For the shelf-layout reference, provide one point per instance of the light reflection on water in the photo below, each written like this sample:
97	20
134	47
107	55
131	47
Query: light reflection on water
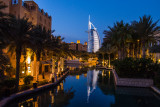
92	88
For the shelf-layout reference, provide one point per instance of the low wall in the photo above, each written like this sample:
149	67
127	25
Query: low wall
25	94
132	82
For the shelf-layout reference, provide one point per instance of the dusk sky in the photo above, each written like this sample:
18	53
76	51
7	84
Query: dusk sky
70	17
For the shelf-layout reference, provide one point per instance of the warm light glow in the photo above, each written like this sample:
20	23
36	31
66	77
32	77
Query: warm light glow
28	60
72	42
77	77
85	75
138	40
52	99
29	69
78	41
85	43
159	60
22	72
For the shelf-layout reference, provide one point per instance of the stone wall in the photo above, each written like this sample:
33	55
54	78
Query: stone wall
132	82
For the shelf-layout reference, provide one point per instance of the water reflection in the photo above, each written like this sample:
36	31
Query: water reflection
92	77
92	88
57	97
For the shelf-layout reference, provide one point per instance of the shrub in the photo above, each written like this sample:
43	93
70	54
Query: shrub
27	80
25	87
42	82
9	83
135	68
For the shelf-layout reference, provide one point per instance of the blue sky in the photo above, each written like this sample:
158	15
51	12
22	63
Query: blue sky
70	17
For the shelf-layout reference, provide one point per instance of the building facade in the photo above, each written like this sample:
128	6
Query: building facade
78	46
31	11
93	38
28	9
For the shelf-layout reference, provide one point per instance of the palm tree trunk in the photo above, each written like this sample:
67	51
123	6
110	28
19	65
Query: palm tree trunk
37	65
53	67
109	61
62	64
143	50
133	51
37	69
58	67
18	56
119	54
103	59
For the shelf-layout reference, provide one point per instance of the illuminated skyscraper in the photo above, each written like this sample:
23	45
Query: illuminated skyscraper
93	38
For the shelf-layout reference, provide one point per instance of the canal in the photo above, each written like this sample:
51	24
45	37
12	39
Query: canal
91	88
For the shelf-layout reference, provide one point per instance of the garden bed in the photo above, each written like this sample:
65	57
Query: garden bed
133	69
132	82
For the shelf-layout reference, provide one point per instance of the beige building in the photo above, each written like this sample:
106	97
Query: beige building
28	9
78	46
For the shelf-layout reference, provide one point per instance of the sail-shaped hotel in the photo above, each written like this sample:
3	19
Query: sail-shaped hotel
93	38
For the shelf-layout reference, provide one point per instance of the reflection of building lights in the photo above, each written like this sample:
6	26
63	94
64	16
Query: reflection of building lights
22	72
77	77
52	99
29	71
85	75
159	60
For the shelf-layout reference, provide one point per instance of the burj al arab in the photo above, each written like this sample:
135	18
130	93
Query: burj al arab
93	38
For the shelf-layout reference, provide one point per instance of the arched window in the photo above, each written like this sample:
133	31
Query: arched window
14	1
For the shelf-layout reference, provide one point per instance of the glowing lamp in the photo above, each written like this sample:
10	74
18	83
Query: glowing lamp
28	60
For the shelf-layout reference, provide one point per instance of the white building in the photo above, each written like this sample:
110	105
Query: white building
93	38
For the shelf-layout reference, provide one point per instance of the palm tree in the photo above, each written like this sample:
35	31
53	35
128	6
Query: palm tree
108	48
145	28
120	34
54	46
4	25
19	38
41	37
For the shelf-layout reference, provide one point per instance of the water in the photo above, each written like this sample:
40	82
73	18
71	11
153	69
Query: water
92	88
